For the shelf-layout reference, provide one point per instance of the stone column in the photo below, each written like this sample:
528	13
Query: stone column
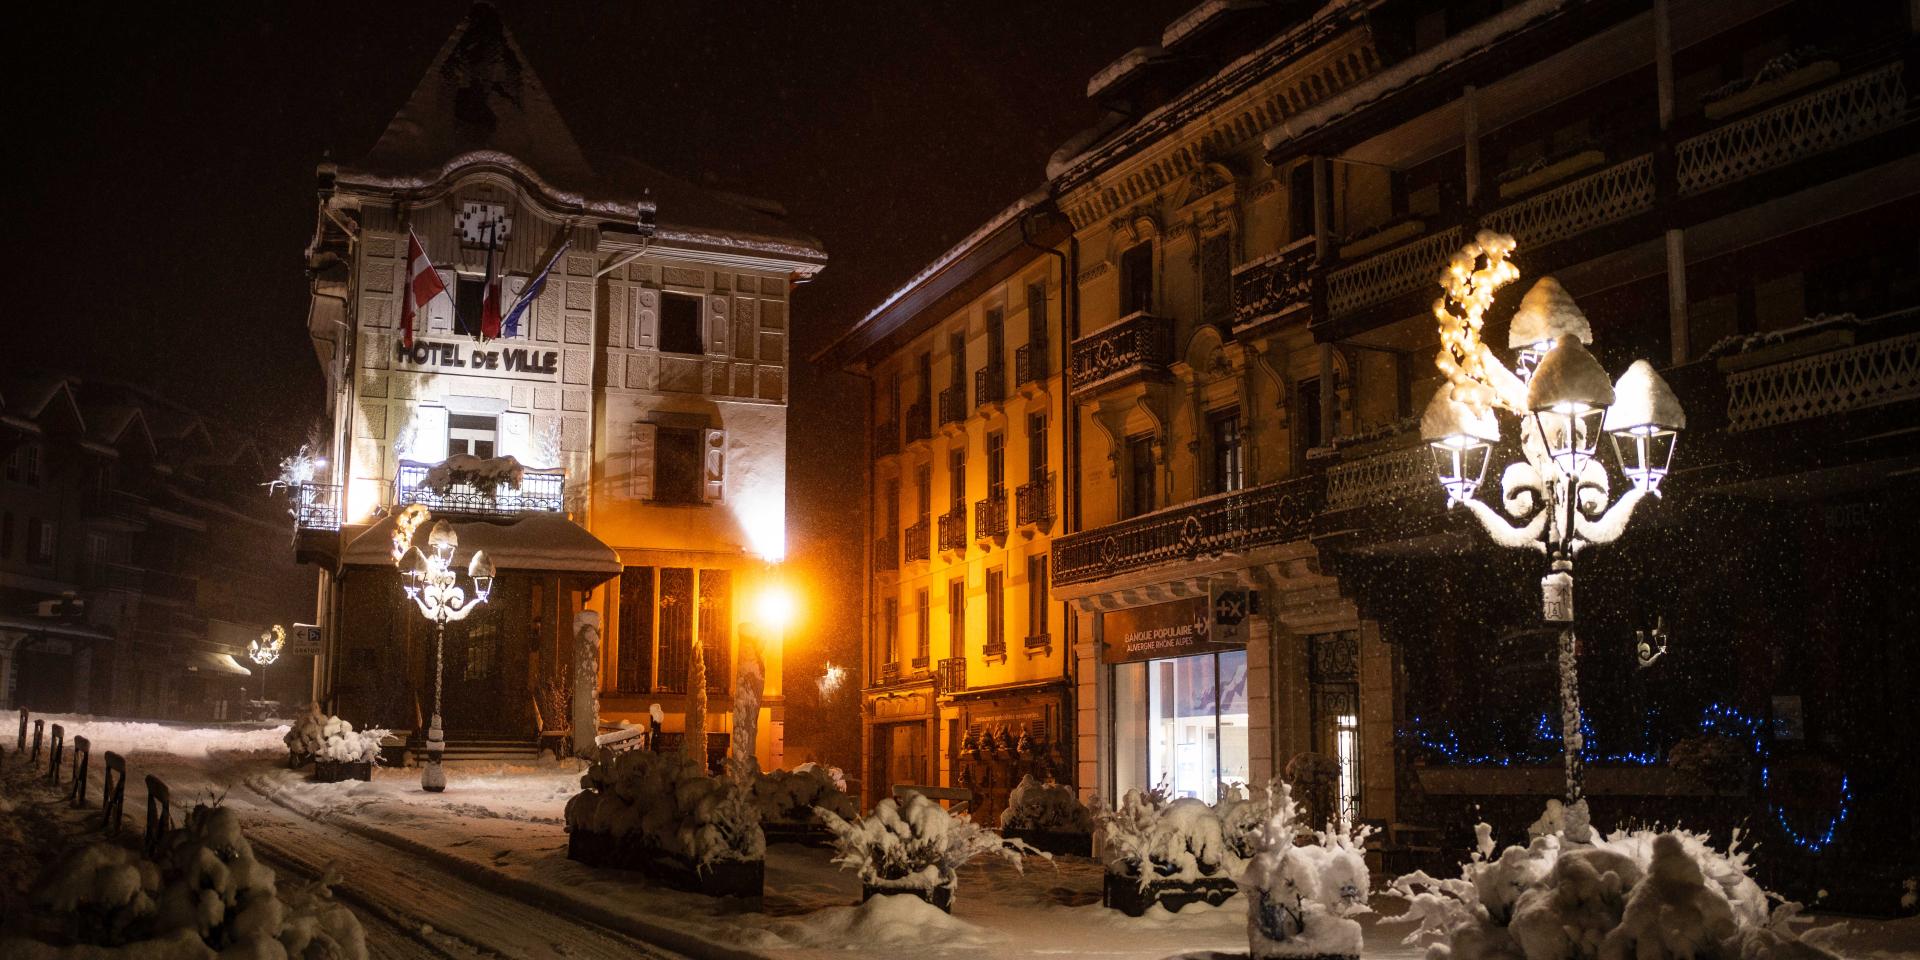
1261	697
1091	713
586	681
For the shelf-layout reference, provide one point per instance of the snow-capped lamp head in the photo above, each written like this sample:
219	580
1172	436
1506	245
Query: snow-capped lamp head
1645	422
1546	314
480	568
1569	395
441	539
414	568
1460	436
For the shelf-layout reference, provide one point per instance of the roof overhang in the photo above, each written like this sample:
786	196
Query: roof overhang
537	542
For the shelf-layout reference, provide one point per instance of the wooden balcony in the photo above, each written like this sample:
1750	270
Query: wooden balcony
1846	110
886	554
1274	285
1138	347
919	422
1030	363
1268	515
1822	384
953	405
1395	469
990	516
953	529
918	540
951	675
1605	196
1033	502
989	384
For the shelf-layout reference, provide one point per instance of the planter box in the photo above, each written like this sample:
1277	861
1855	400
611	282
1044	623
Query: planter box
1818	71
804	834
721	878
330	771
1382	238
941	896
1123	893
1552	173
1054	842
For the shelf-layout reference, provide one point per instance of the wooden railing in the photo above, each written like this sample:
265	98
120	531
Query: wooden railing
990	516
1139	345
1405	269
1277	283
1033	502
1030	363
1267	515
1840	113
1574	207
1838	381
953	528
918	540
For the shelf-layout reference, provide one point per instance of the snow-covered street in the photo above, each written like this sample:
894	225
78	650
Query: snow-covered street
482	870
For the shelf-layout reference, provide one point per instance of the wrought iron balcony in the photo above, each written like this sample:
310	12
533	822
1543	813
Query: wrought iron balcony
1033	502
919	422
1139	346
1268	515
953	528
1030	363
890	672
886	439
315	506
953	405
886	554
952	675
1398	468
117	508
1840	113
918	540
540	491
990	516
1278	283
989	384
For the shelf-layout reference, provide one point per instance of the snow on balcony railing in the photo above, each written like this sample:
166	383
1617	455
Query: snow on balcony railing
315	506
1839	381
539	491
1395	273
1141	344
1267	515
1276	283
1380	478
1841	113
1573	208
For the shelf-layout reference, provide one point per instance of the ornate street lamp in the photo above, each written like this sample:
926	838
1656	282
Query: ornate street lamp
265	650
1561	401
432	584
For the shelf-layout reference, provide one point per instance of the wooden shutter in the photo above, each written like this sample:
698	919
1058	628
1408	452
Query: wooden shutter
713	446
429	435
640	484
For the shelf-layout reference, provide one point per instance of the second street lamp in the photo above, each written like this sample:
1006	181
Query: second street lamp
432	584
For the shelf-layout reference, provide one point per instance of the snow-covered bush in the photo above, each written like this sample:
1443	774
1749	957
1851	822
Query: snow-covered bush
1149	837
1245	815
206	895
483	474
666	802
791	796
1633	895
333	740
915	847
1045	807
1300	895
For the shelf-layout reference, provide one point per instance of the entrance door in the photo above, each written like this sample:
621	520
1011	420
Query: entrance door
486	693
900	756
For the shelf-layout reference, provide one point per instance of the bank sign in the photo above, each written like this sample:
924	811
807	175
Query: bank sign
1177	628
476	359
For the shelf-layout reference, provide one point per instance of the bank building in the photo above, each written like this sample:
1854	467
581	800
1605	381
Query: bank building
642	392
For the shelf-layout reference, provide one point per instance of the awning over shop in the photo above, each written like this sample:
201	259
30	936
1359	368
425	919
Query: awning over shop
54	628
536	541
201	661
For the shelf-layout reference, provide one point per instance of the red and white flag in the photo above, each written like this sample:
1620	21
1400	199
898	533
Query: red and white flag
423	285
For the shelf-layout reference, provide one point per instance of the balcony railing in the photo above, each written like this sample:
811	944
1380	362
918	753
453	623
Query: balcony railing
918	540
953	528
953	405
1138	346
1268	515
1278	283
315	506
1384	477
919	422
990	516
1579	205
1033	502
540	491
150	583
989	384
890	672
1030	363
115	506
886	440
886	554
1848	110
952	675
1839	381
1404	269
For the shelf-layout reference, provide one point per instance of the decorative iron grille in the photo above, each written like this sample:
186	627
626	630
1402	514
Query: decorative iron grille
1395	273
1573	208
540	491
886	554
989	384
1139	345
990	516
952	675
953	405
1033	502
886	440
919	422
1030	363
1266	515
315	506
918	540
1274	284
1381	478
953	528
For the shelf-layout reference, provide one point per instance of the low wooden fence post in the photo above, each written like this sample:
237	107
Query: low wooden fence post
38	725
82	754
21	745
56	751
113	794
159	816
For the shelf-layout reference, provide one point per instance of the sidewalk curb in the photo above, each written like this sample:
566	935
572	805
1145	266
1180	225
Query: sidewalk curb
686	944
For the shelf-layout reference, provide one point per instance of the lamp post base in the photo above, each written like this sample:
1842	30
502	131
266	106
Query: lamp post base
432	778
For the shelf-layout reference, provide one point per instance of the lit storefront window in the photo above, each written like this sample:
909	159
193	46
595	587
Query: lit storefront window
1181	723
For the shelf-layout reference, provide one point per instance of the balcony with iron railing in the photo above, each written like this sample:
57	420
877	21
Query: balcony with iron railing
951	674
1033	502
953	405
989	385
1263	516
890	672
886	439
1394	467
539	491
953	529
1030	363
1138	347
919	421
886	554
1276	284
315	506
917	540
990	516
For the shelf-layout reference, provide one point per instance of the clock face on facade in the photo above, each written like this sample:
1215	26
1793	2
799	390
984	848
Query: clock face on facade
481	224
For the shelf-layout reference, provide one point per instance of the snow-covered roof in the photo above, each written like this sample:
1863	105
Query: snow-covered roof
1127	64
533	541
1200	16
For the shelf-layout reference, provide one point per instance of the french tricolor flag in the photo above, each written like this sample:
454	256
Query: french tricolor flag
423	284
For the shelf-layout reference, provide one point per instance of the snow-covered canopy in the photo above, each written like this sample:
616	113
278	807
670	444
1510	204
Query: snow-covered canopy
1569	374
1642	398
1546	314
1446	417
534	541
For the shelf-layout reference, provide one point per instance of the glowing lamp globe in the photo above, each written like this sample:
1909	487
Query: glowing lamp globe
1546	314
414	568
442	540
1460	438
480	568
1645	422
1569	395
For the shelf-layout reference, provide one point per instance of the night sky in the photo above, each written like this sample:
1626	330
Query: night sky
162	161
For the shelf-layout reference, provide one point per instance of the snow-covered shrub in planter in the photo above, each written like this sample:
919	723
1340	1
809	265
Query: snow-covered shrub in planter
1244	817
1634	895
205	896
915	848
1300	895
662	814
337	751
787	801
1168	852
1049	816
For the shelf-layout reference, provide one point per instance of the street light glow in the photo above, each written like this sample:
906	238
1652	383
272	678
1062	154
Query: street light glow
774	607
